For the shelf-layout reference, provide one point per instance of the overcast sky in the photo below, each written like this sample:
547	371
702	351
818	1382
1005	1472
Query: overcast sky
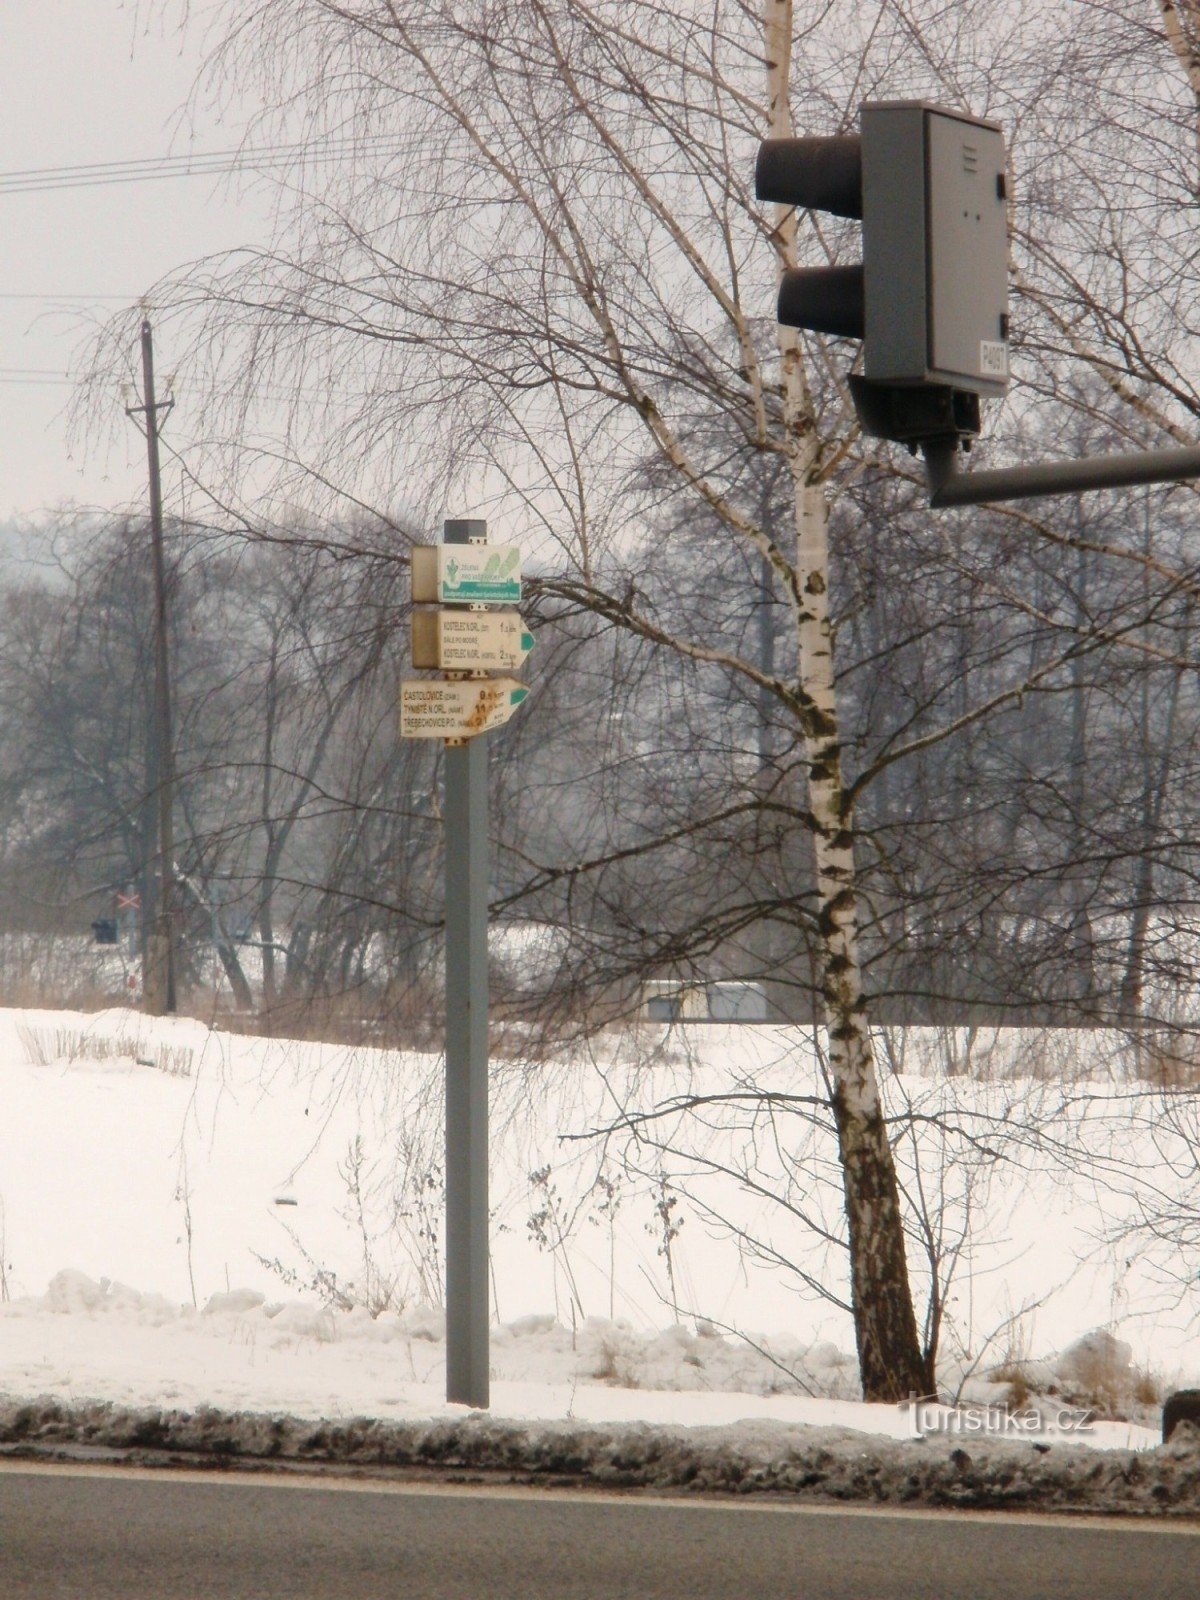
87	81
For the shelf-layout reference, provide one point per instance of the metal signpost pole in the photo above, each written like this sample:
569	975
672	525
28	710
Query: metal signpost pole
466	831
467	642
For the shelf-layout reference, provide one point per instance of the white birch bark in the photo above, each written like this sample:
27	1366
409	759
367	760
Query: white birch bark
1181	23
890	1359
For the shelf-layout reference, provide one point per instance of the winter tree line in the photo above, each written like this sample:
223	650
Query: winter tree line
649	810
787	723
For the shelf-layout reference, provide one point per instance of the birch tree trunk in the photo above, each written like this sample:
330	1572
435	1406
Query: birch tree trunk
889	1349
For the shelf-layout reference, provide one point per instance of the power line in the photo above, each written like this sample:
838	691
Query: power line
197	164
245	153
41	375
124	299
55	375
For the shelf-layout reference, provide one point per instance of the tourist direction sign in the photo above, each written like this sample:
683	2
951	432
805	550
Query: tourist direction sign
469	641
466	574
431	708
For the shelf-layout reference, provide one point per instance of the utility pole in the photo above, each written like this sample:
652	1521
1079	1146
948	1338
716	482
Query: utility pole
158	970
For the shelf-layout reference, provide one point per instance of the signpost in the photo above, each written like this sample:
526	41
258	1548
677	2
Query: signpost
465	642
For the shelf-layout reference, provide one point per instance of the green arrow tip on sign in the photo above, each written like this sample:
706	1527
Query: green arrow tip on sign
527	642
515	696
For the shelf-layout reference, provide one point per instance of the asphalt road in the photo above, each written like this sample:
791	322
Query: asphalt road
91	1534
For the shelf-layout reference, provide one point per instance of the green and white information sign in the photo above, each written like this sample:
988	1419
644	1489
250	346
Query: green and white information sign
466	574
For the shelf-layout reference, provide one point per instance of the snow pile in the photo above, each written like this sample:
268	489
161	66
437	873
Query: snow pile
105	1341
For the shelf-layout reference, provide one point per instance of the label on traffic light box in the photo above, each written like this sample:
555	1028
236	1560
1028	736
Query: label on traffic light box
993	358
466	574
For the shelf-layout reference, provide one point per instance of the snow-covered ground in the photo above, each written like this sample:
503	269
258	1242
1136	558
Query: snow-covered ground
193	1219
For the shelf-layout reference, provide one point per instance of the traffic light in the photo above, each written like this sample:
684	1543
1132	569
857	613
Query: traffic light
930	299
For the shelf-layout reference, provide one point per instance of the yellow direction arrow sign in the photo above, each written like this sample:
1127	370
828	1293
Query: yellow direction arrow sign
432	709
469	641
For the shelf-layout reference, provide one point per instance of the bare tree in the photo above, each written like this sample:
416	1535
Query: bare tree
578	269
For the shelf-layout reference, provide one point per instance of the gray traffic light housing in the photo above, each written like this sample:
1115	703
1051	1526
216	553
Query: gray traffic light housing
930	300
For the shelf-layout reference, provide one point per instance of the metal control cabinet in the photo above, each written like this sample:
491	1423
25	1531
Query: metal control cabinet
935	248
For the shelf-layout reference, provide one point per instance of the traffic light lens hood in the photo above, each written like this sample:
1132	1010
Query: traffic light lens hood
824	300
815	174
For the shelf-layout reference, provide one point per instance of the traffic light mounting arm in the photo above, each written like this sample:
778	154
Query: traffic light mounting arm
950	487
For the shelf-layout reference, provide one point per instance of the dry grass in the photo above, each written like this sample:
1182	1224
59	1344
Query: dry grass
1020	1389
1147	1390
1167	1060
44	1046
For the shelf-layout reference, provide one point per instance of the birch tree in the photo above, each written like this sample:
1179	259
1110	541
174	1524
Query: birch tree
885	1325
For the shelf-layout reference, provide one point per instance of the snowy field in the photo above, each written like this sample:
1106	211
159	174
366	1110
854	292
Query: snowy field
190	1218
